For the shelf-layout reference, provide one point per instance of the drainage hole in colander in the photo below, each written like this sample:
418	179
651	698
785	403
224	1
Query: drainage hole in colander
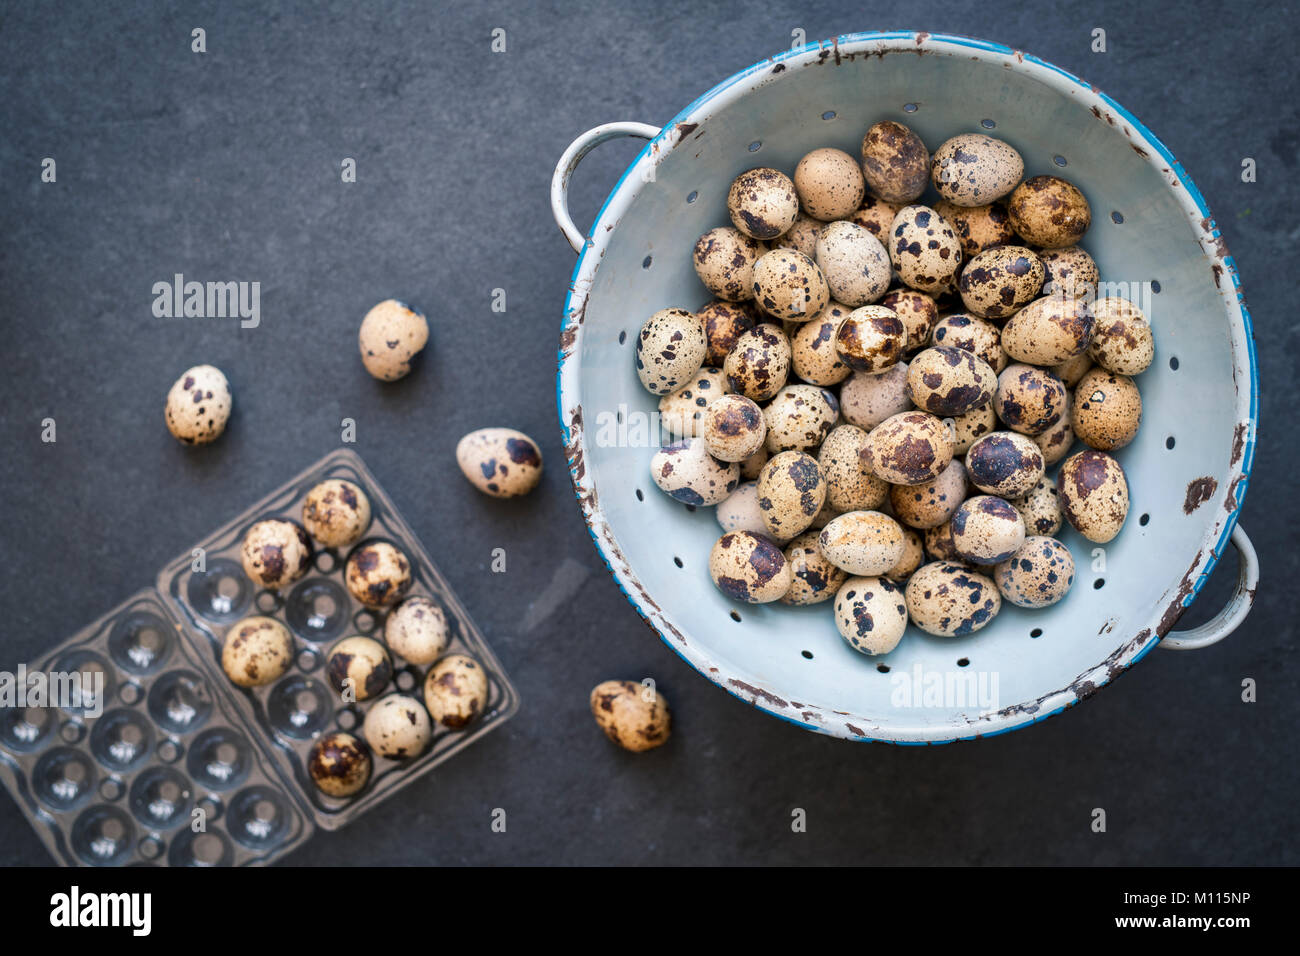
677	561
622	337
735	616
987	123
883	668
1098	584
1173	362
963	661
1143	520
910	107
639	495
1059	160
1036	632
755	146
828	115
646	262
1117	217
1155	286
1169	442
692	196
807	655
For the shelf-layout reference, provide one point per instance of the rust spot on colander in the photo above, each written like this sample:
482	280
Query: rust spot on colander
1175	609
1199	492
758	692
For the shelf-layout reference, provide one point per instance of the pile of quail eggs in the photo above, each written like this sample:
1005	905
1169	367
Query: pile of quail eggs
875	393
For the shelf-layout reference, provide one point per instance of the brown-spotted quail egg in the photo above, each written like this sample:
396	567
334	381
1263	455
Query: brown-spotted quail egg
358	668
724	260
947	599
740	510
398	727
1006	464
1048	331
734	428
895	162
392	335
763	203
724	322
855	264
876	216
939	544
924	249
670	348
1038	575
1047	211
1029	400
977	336
802	237
871	614
1041	508
456	691
682	413
870	339
759	364
977	227
799	417
987	529
813	578
1056	442
686	471
829	183
909	448
256	651
918	313
791	491
973	169
1094	494
1107	410
1121	338
275	553
913	555
1070	272
417	631
850	484
198	405
377	574
930	503
949	381
1073	369
868	398
968	427
336	513
500	462
824	517
1000	281
862	542
789	285
632	715
812	348
339	764
750	568
751	466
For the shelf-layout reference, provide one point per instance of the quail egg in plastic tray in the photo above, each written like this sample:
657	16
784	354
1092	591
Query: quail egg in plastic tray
155	768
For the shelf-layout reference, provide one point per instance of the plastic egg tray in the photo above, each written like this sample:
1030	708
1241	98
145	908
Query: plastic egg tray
175	734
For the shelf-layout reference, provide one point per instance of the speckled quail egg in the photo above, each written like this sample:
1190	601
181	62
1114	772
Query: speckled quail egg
850	484
256	651
1006	464
895	162
681	414
724	260
336	513
1094	494
951	600
1056	442
930	503
829	183
724	322
759	364
734	428
876	216
632	715
812	348
339	764
791	491
751	466
750	568
1000	281
358	668
740	510
1029	400
1048	331
987	529
198	405
868	398
801	237
1107	410
870	339
686	471
855	264
977	336
1038	575
1041	508
789	285
913	555
763	203
398	727
377	574
813	578
1121	337
1073	369
824	517
392	335
949	381
670	348
417	630
973	169
799	417
275	553
1047	211
908	448
918	313
500	462
456	691
1070	272
977	227
924	249
939	544
862	542
871	614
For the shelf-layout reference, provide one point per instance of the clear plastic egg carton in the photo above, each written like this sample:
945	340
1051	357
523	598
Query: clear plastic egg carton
114	779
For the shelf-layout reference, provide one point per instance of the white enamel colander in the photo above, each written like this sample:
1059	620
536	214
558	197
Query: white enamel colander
1187	469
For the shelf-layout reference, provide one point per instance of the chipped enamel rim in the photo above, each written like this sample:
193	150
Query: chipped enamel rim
1175	599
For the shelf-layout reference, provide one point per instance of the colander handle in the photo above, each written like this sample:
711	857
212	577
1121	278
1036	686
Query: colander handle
579	148
1227	620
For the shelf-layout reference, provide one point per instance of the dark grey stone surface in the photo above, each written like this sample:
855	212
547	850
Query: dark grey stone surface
226	165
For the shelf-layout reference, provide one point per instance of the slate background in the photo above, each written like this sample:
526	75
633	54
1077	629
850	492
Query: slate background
226	165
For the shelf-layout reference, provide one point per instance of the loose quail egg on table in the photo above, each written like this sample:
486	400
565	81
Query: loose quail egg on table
392	335
632	715
198	405
455	691
500	462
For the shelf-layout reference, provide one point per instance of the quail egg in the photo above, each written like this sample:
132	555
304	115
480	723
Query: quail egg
791	491
763	203
855	264
670	348
812	348
751	466
1121	340
1047	211
871	614
681	414
456	691
908	448
740	510
724	260
1000	281
275	553
973	169
198	405
1107	410
358	668
868	398
1094	494
987	529
924	249
686	471
1048	331
799	418
1005	464
1056	442
918	313
339	764
895	162
789	285
930	503
336	513
913	556
398	727
417	630
1073	369
500	462
759	364
977	227
813	579
724	323
392	335
256	651
978	336
1029	400
734	428
949	600
1069	271
1038	575
876	216
968	427
632	715
748	567
870	339
850	484
1041	508
939	544
377	574
862	542
829	184
949	381
802	236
